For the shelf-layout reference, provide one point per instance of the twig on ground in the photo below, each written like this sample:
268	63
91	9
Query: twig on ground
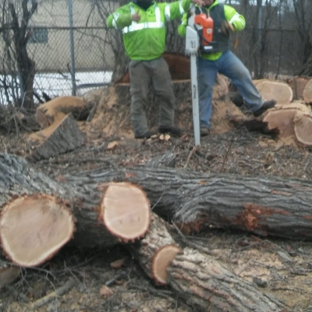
58	292
189	156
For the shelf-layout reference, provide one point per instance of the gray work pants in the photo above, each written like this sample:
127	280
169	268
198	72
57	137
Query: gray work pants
141	74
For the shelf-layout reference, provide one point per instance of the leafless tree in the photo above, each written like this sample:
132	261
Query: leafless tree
18	68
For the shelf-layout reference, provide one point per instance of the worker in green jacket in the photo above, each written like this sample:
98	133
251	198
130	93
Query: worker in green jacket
144	35
220	59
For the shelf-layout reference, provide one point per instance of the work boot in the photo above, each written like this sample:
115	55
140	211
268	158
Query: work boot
204	131
145	135
265	106
174	131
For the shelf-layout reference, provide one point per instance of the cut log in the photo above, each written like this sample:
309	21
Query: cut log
209	286
197	278
307	92
62	136
18	179
33	228
303	128
281	119
264	206
298	84
56	109
125	211
275	90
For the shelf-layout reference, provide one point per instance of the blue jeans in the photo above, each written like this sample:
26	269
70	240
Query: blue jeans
228	65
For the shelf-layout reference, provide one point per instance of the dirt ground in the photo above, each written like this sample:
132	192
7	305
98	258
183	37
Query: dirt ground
279	267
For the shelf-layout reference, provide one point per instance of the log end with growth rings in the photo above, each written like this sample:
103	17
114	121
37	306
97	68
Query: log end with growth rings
33	228
162	260
125	211
303	129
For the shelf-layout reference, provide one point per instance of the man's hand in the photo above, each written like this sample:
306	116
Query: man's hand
136	16
199	2
226	28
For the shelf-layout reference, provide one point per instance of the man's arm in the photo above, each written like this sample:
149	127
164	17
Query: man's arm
120	18
178	8
235	19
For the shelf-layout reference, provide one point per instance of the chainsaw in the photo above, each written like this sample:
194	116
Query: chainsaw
199	35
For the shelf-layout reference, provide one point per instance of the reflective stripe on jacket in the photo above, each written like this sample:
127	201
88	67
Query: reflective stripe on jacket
146	39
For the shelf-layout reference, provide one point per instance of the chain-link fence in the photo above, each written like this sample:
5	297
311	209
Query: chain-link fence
66	64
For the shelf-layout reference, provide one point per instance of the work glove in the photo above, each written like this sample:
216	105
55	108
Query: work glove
226	28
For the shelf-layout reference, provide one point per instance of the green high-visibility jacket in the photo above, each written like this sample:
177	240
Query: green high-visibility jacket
146	39
231	15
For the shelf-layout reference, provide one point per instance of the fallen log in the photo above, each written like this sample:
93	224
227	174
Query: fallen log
288	122
37	213
276	90
265	206
197	278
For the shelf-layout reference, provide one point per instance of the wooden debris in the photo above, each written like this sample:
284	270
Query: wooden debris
57	293
58	108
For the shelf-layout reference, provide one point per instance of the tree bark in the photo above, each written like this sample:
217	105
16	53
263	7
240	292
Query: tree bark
197	278
18	178
265	206
60	137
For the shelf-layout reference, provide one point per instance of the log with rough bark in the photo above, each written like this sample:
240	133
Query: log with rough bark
37	214
197	278
276	90
265	206
60	137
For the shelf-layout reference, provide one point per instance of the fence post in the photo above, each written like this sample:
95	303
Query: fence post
72	48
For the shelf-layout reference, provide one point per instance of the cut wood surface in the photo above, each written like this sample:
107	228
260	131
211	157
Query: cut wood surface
56	109
33	228
303	128
307	92
125	211
275	90
298	84
60	137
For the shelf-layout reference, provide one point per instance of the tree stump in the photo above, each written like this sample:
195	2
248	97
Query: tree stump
62	136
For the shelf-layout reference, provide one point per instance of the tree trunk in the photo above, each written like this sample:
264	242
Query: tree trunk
197	278
265	206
